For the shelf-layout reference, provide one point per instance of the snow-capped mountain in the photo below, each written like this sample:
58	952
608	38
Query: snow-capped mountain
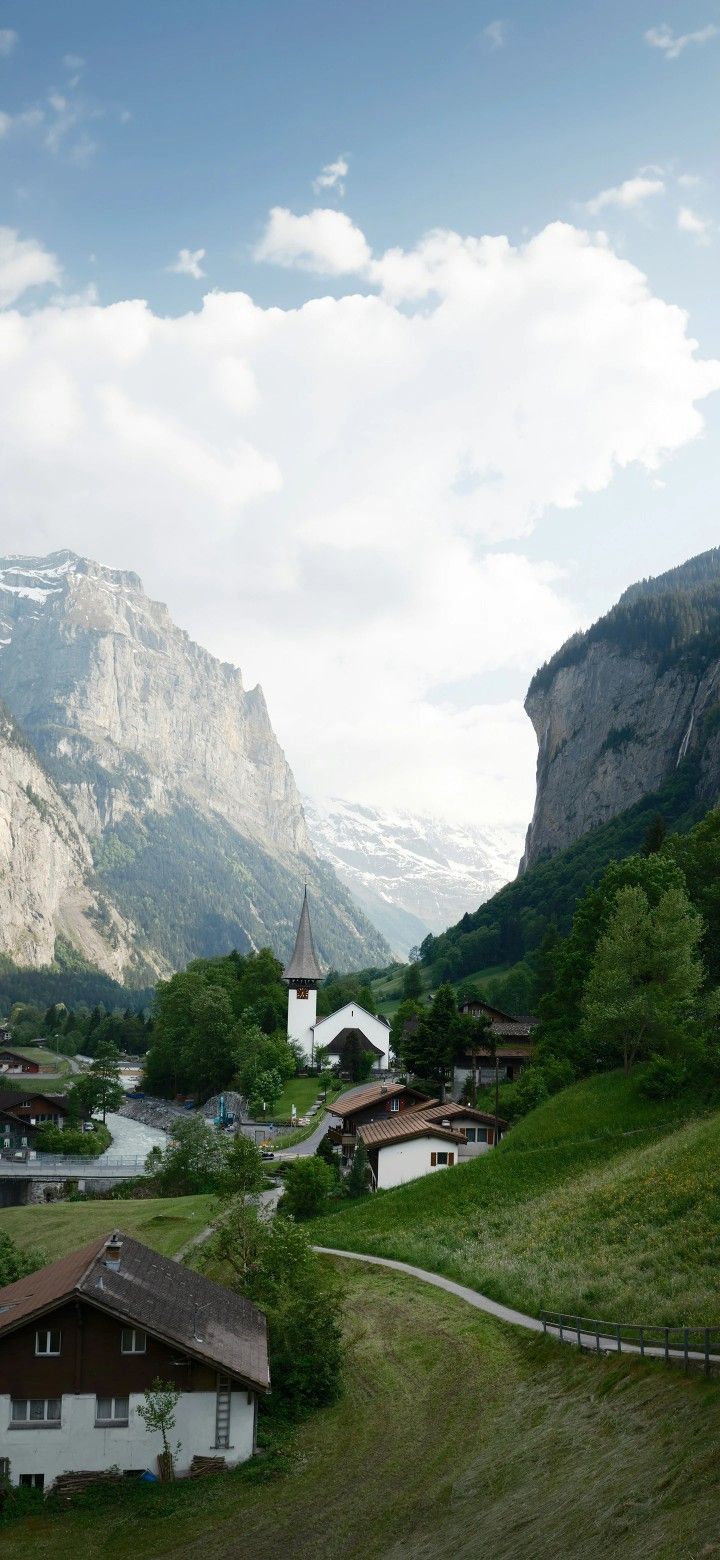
410	874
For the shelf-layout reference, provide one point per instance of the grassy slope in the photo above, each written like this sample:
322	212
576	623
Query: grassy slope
570	1213
55	1228
454	1437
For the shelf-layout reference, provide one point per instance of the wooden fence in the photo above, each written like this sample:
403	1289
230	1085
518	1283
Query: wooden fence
687	1346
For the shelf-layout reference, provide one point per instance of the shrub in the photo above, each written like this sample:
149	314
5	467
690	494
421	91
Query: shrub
308	1184
662	1078
71	1140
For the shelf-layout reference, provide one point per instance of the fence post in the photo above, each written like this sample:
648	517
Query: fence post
619	1339
667	1345
685	1346
579	1339
560	1320
642	1343
544	1322
597	1339
707	1351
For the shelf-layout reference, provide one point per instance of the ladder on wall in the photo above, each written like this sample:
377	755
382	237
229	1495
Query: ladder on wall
222	1412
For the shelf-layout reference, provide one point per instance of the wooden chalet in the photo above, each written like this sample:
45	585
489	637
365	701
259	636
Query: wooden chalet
368	1103
513	1040
37	1109
82	1339
12	1062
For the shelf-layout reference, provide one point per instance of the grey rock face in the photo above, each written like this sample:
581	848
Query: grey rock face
154	743
612	727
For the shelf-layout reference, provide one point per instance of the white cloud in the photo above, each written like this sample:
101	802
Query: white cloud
8	42
688	221
188	263
689	181
23	264
628	195
672	44
73	62
323	240
495	33
335	495
332	177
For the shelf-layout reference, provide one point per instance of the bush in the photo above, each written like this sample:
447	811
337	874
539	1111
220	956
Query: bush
662	1079
308	1184
71	1140
15	1263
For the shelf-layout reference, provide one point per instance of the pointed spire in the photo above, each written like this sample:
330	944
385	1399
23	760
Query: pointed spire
303	966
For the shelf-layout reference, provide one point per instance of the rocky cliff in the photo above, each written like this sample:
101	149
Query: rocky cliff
619	708
169	767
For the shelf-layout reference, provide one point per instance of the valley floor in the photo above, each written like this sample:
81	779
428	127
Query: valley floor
453	1436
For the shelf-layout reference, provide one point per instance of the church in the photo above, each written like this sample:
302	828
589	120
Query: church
327	1037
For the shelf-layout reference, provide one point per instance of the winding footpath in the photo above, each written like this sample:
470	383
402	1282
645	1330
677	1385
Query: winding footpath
503	1313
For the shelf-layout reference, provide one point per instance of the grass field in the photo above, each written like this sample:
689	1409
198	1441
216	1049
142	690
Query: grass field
454	1437
55	1228
598	1203
301	1092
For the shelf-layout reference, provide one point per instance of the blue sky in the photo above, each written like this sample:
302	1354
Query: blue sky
136	132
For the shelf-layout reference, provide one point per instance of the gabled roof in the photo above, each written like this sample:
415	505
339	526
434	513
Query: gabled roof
303	964
7	1050
205	1320
451	1111
362	1097
355	1007
401	1128
340	1040
10	1099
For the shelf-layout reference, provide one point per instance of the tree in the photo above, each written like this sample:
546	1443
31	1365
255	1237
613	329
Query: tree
265	1088
412	981
430	1048
356	1180
356	1059
105	1076
644	980
407	1010
308	1184
15	1263
158	1412
326	1151
242	1174
271	1263
654	835
193	1161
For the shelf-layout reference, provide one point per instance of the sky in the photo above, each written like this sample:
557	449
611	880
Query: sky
381	340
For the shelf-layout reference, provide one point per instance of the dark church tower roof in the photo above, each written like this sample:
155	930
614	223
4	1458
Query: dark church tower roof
303	966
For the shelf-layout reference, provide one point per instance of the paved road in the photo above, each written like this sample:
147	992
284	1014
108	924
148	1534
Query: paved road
505	1313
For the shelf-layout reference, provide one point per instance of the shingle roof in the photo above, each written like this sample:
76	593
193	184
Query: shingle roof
204	1319
396	1129
303	964
360	1098
451	1110
11	1098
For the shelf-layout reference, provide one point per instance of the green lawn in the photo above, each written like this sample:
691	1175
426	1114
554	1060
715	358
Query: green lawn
165	1223
301	1092
598	1203
454	1437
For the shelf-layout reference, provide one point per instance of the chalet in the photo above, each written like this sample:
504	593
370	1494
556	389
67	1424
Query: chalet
81	1341
13	1062
369	1103
408	1146
17	1137
513	1043
476	1126
36	1109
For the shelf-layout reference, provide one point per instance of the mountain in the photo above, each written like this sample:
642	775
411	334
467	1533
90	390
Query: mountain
618	708
184	813
412	875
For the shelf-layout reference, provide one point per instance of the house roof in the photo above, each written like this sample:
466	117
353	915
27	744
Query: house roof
370	1094
10	1099
340	1039
17	1121
450	1111
205	1320
398	1129
7	1050
303	964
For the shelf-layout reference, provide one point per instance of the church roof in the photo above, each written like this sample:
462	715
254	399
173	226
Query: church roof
303	964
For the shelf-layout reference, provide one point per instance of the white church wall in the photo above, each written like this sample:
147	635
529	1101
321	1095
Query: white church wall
352	1016
302	1013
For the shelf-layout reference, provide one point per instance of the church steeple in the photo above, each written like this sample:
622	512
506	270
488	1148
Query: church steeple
303	969
302	976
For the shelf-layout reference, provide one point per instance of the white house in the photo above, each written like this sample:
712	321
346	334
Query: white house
303	975
82	1339
407	1147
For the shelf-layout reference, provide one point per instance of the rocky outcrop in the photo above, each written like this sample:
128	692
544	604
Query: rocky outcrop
47	888
168	766
619	708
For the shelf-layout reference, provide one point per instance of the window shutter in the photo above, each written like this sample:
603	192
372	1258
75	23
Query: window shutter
433	1159
451	1159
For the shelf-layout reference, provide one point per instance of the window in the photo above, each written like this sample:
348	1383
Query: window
395	1103
35	1411
32	1481
112	1410
470	1134
482	1135
133	1341
442	1159
47	1341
